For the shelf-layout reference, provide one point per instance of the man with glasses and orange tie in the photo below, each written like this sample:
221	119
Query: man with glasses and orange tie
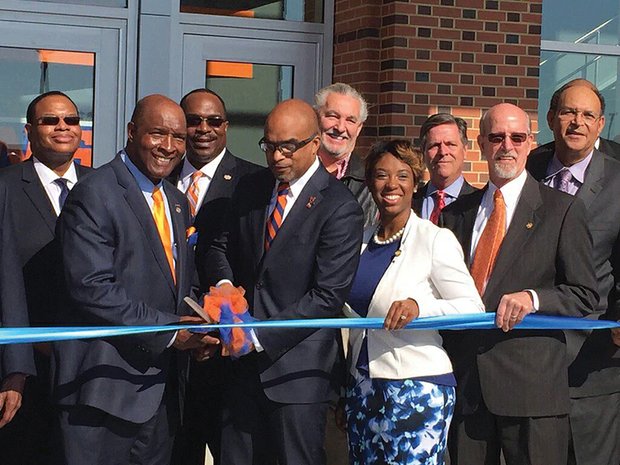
529	251
578	168
208	175
126	263
292	242
38	188
443	139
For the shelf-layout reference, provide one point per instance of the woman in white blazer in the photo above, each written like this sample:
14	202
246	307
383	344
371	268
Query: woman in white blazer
400	395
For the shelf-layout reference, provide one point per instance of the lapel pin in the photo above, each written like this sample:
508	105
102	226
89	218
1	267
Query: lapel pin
529	225
177	208
227	177
310	201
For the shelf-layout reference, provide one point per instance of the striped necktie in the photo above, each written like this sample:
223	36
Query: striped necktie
163	227
489	243
193	193
275	220
440	203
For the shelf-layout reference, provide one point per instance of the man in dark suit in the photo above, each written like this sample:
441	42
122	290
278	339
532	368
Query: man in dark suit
16	360
577	168
208	176
38	188
292	242
606	146
529	251
342	112
122	233
443	139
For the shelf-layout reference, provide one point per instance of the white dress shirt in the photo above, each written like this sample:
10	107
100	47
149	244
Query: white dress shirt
187	171
48	178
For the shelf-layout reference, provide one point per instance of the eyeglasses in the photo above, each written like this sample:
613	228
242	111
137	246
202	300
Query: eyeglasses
570	114
54	120
517	138
196	120
285	148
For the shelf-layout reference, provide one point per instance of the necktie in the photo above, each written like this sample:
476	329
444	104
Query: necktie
64	191
489	243
275	220
439	204
562	179
193	193
163	227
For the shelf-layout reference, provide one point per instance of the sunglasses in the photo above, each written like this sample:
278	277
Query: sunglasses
517	138
286	148
55	120
194	121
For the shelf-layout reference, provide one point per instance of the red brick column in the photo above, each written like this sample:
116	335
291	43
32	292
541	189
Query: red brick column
411	59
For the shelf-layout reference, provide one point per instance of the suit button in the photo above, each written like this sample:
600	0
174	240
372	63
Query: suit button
259	284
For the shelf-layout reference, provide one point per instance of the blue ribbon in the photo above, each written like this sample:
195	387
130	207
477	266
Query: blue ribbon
451	322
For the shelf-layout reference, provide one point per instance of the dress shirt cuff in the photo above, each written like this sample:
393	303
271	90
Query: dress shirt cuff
535	301
174	338
223	281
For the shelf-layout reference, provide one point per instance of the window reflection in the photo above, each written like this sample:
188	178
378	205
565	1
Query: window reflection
27	73
113	3
250	92
289	10
587	23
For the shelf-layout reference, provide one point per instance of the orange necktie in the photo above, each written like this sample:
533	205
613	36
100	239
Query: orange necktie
275	220
193	193
489	243
163	228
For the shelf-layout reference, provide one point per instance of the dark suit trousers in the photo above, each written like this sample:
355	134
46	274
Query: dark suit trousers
258	431
478	439
595	430
86	435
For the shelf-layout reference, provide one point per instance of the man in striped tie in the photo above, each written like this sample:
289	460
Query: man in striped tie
292	243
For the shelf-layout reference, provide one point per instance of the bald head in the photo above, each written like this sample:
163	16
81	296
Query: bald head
294	123
505	140
156	136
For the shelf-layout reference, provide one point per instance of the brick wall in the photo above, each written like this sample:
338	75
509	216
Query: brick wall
411	59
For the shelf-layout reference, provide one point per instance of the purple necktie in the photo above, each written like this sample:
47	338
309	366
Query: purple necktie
562	179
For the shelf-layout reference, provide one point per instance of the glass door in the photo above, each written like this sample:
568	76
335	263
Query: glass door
252	76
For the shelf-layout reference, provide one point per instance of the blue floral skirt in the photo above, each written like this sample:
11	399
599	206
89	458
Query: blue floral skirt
398	422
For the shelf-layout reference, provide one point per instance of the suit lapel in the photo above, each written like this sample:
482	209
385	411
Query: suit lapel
137	203
257	217
36	193
524	222
418	200
179	231
593	182
222	178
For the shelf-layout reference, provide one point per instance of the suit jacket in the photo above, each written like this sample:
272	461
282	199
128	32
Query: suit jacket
418	197
117	274
608	147
547	248
595	361
210	218
33	215
14	358
306	273
355	179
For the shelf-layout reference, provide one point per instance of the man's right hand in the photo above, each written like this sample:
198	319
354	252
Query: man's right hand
186	340
11	397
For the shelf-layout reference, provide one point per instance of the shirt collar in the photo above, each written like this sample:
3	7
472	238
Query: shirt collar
144	183
453	190
208	169
49	176
510	191
298	184
578	170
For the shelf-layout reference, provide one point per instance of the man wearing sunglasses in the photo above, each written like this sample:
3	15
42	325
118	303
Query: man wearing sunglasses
38	188
293	244
208	175
578	168
529	251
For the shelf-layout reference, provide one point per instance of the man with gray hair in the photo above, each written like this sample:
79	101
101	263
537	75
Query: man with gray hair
342	112
443	139
529	251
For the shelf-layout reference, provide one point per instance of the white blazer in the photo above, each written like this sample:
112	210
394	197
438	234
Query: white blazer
431	270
